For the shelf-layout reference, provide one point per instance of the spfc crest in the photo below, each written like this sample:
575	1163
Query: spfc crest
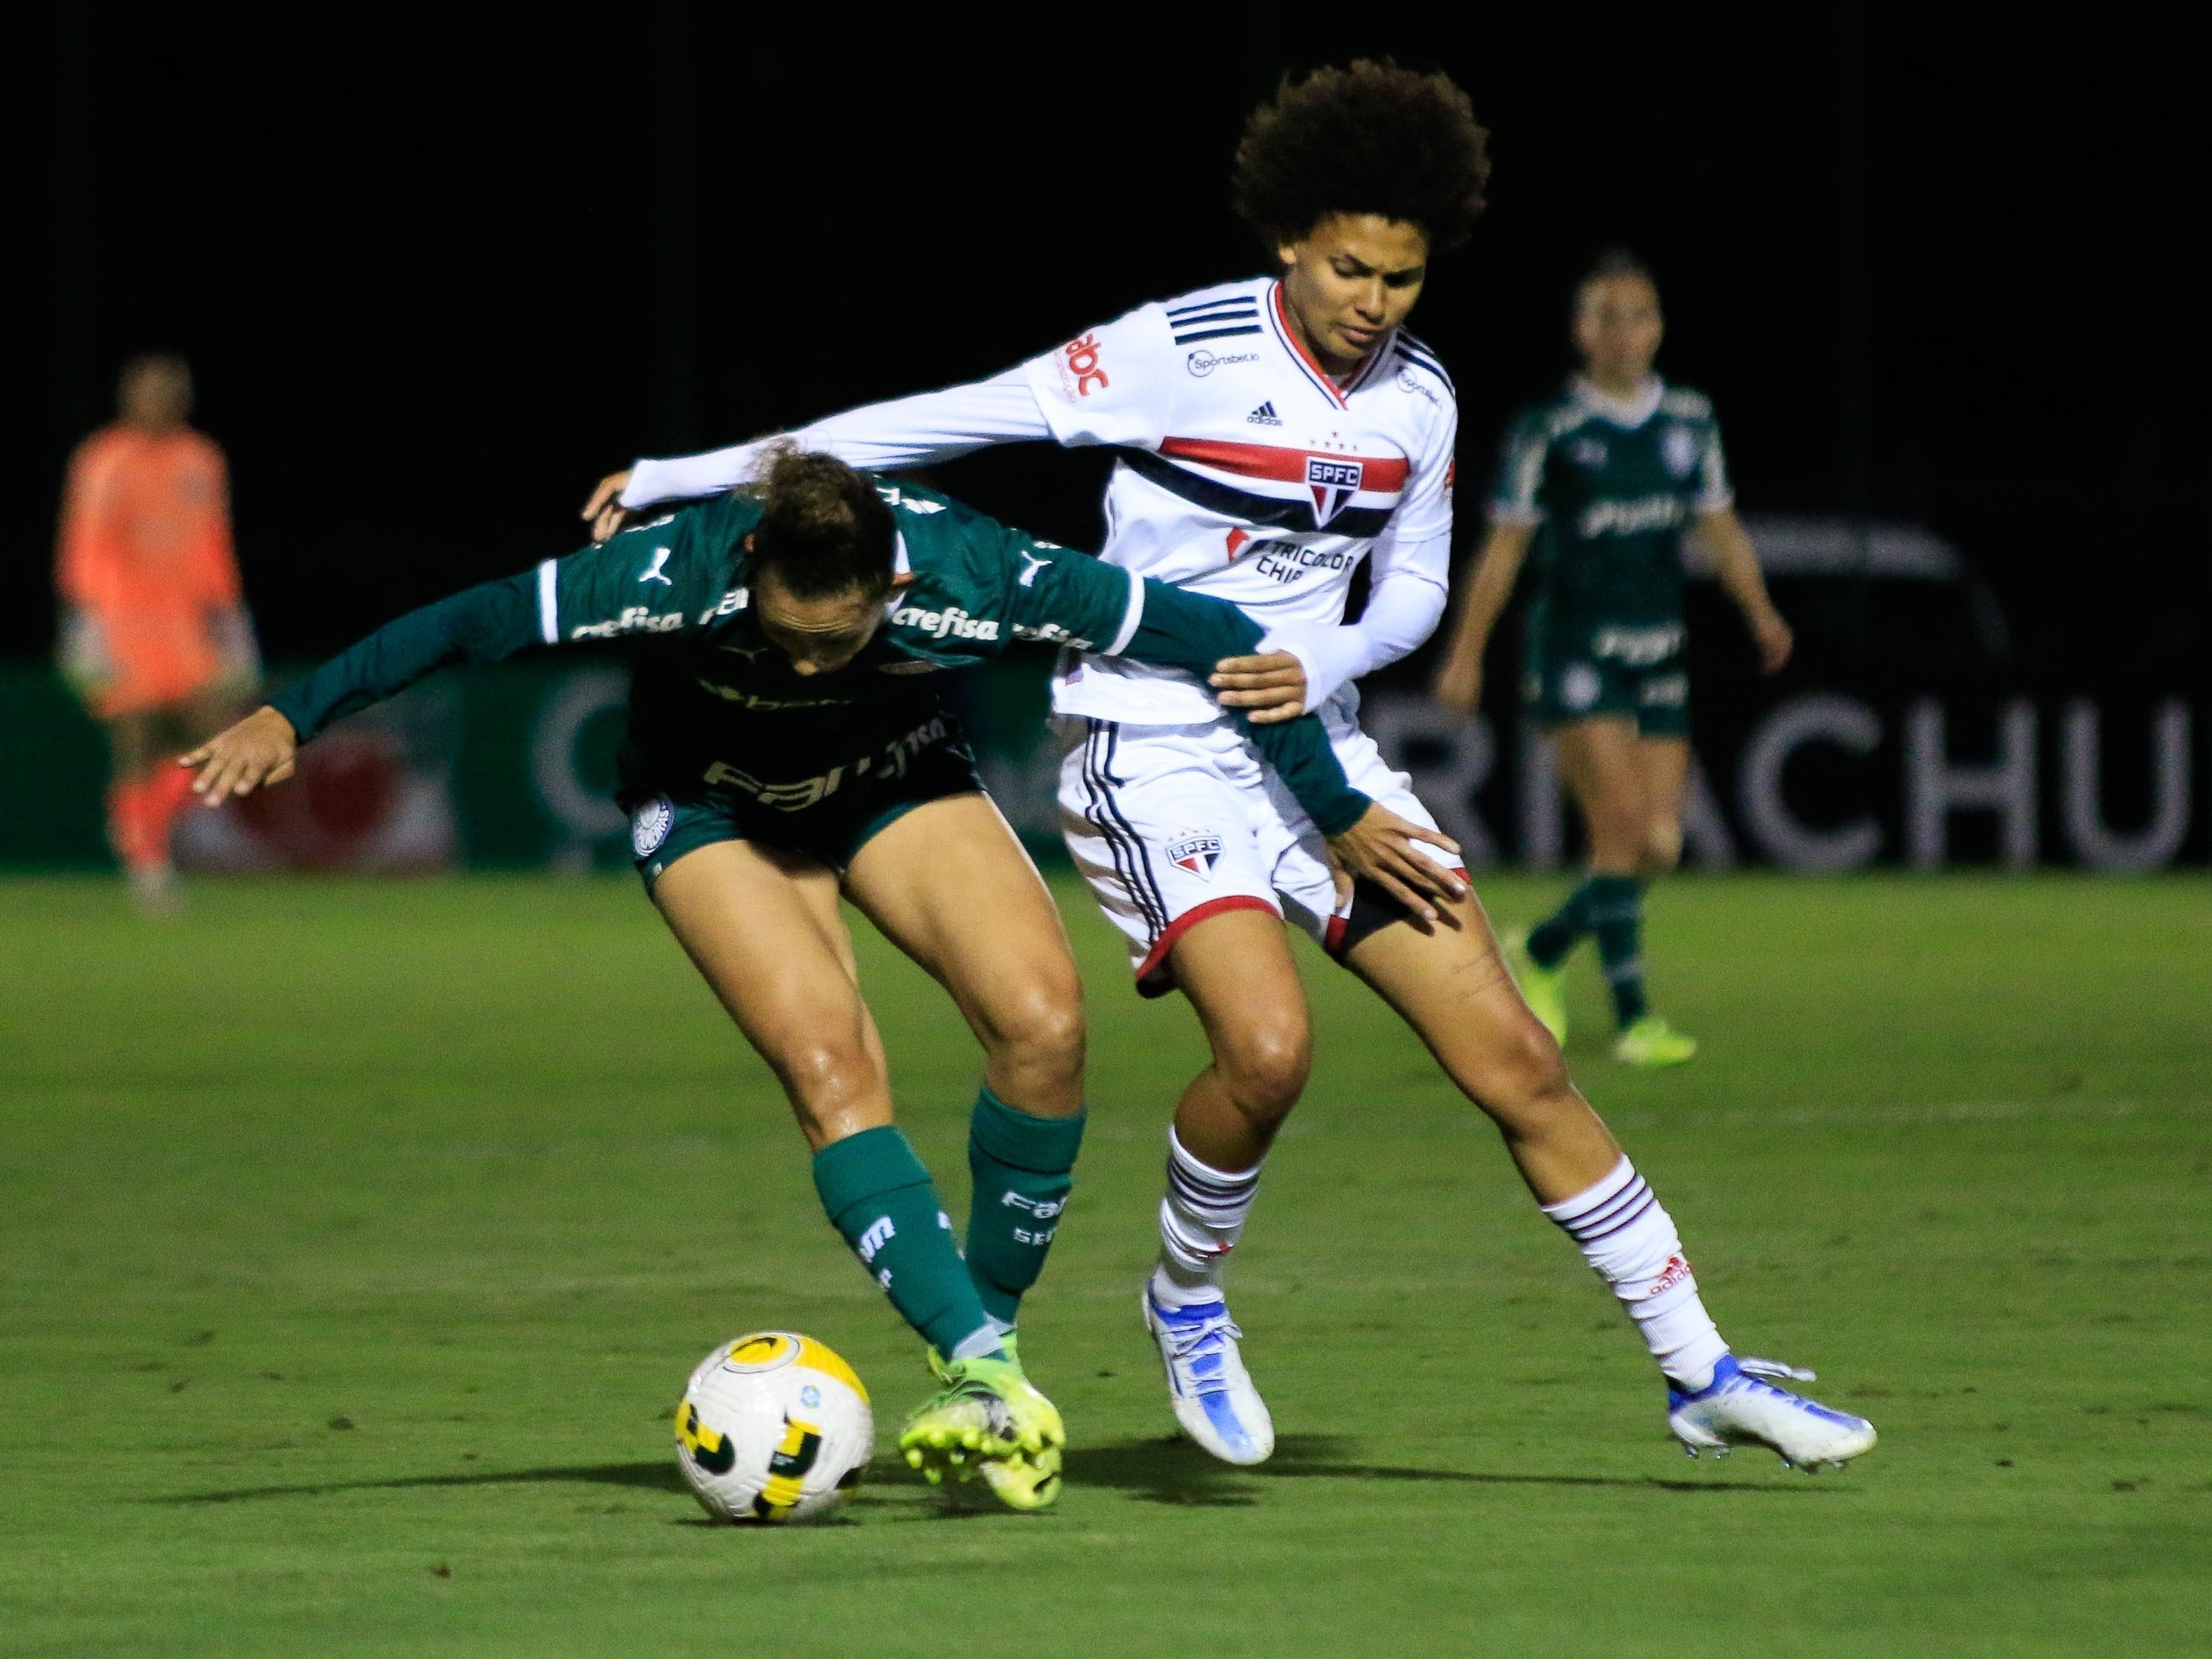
1195	853
1333	483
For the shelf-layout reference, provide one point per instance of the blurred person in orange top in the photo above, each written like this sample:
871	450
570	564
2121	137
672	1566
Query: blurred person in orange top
155	637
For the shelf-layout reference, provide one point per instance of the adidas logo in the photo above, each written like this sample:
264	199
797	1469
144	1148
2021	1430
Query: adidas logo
1264	416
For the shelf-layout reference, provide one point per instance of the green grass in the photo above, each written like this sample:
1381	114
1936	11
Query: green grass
356	1238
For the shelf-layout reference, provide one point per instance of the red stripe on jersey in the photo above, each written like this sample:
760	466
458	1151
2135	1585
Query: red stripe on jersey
1282	465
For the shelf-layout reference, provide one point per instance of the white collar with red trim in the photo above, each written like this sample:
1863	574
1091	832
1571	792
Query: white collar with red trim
1286	332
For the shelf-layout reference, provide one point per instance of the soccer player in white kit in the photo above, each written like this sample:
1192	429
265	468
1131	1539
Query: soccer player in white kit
1270	434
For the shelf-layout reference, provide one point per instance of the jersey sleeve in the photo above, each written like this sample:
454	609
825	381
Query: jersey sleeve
1071	598
656	580
1425	513
1714	493
1517	494
1114	383
923	430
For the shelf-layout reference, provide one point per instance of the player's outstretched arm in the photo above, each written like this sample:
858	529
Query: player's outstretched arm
923	430
589	596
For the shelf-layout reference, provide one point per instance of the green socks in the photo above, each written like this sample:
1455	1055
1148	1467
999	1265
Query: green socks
1024	1169
1615	912
1551	940
1612	907
878	1196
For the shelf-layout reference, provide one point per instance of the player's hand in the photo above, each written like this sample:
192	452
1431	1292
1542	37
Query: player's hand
1459	682
1774	640
1271	688
604	512
259	749
1380	848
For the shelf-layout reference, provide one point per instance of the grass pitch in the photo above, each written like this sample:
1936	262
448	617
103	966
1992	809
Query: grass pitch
355	1239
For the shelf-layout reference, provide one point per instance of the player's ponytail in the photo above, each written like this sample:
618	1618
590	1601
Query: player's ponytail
823	529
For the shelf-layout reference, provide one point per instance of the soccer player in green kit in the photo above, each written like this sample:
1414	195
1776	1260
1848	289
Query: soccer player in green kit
1602	482
784	747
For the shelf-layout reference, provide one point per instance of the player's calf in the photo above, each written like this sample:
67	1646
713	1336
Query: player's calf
1023	1168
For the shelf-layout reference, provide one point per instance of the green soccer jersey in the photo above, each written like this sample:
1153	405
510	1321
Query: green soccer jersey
714	702
1609	487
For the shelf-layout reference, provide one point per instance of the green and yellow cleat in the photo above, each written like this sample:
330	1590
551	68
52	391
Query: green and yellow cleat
1651	1044
1544	990
987	1419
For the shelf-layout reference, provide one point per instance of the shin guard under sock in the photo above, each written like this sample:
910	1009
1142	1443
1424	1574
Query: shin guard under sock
1024	1169
877	1193
1616	916
1201	1218
1628	1238
1551	940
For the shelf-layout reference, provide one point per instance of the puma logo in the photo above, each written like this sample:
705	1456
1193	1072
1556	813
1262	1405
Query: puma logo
653	571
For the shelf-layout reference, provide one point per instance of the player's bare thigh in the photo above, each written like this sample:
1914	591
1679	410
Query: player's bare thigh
1598	758
1238	972
949	883
1450	984
761	925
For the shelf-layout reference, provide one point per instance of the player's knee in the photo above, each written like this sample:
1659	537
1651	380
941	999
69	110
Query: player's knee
1662	845
1265	1064
824	1077
1041	1030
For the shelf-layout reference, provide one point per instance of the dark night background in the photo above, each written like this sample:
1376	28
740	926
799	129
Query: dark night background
439	269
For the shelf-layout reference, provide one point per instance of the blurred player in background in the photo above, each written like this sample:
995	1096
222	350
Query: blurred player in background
1603	480
156	638
1271	434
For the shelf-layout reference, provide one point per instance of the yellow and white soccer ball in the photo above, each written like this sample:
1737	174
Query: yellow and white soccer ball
774	1426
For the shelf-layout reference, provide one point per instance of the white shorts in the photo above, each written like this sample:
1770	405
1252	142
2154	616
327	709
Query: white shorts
1171	824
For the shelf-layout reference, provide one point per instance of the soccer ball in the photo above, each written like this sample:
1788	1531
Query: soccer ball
774	1427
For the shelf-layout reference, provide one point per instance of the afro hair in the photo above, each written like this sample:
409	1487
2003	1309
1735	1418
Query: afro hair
1372	139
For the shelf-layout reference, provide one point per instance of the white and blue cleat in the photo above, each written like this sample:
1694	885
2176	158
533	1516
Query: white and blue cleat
1208	1384
1743	1406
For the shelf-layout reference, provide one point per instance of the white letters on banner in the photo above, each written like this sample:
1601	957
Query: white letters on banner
1935	787
2100	847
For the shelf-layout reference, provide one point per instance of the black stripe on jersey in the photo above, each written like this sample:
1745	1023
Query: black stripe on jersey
1227	302
1216	333
1233	503
1421	357
1122	842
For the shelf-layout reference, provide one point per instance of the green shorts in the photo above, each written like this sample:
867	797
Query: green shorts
828	817
1642	673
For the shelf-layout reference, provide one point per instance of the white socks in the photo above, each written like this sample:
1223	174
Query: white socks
1626	1234
1201	1218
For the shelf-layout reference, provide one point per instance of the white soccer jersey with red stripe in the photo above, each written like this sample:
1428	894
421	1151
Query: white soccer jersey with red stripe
1245	472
